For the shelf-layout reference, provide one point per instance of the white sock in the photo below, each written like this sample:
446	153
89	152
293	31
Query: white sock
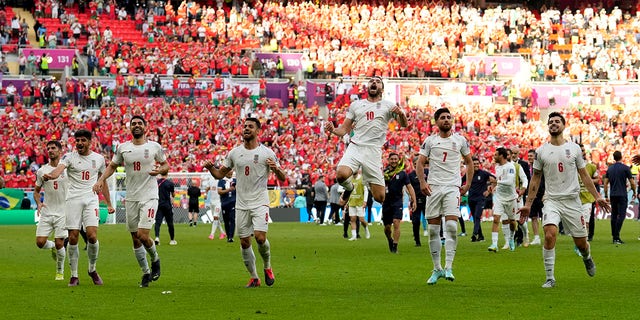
141	256
435	246
494	239
49	244
525	232
549	257
347	184
506	230
74	253
214	226
153	253
536	237
450	242
250	261
353	234
61	254
587	253
265	252
92	253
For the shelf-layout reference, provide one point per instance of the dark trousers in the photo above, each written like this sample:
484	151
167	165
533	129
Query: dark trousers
229	217
476	207
309	210
165	213
321	207
618	213
347	224
416	221
592	224
335	212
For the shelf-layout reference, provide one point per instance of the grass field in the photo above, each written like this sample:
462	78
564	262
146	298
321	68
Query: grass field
320	275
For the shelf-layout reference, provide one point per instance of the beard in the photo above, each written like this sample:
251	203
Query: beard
137	135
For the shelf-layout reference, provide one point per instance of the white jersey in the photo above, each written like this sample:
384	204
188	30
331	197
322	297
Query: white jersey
138	161
83	172
559	165
370	121
506	179
55	191
212	185
445	156
252	172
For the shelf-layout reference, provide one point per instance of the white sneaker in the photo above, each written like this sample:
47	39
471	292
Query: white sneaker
425	233
173	243
367	235
506	246
157	241
535	242
353	239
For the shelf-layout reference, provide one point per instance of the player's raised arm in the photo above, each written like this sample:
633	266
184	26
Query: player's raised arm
217	173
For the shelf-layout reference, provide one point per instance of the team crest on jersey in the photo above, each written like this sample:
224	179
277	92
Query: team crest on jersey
255	158
454	145
146	153
93	164
567	152
378	105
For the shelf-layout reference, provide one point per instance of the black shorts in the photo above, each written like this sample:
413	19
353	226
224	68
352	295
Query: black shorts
391	213
194	207
488	203
536	209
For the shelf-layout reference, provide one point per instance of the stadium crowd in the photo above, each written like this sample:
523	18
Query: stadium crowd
418	39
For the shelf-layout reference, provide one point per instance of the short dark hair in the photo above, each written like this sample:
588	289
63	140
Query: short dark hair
138	117
55	142
617	155
257	122
440	111
391	154
503	152
83	133
475	159
557	114
378	77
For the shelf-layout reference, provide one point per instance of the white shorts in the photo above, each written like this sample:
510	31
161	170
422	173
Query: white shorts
369	158
569	211
215	209
356	211
52	223
248	221
443	201
141	215
82	212
506	209
586	212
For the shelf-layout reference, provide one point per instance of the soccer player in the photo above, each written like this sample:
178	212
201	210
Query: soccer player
368	120
215	205
51	212
84	167
396	181
561	162
252	162
143	160
443	187
504	200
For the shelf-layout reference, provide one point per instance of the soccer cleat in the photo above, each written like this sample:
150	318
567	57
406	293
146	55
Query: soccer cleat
462	234
535	242
435	275
74	281
222	236
253	283
96	278
157	241
550	283
618	241
506	246
448	274
512	245
54	254
353	239
493	248
155	270
211	237
577	251
59	276
590	266
229	239
173	243
269	278
146	279
367	235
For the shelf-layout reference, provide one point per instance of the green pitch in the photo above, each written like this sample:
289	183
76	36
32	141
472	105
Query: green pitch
320	275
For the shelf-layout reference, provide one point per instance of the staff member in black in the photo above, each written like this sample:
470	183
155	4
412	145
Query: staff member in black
617	176
227	192
395	179
478	192
166	192
417	215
